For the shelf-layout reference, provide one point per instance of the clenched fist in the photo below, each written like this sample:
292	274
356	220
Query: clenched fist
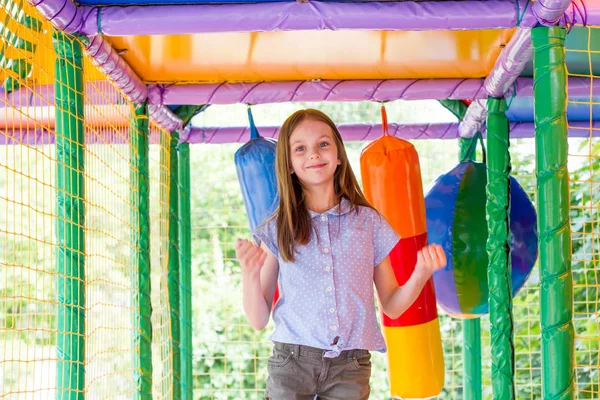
430	259
251	257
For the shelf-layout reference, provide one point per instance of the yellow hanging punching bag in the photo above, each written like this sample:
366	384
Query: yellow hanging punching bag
392	184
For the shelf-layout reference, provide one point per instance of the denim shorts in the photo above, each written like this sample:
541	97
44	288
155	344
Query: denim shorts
301	372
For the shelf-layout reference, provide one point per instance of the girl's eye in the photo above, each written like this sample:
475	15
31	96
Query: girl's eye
299	148
323	144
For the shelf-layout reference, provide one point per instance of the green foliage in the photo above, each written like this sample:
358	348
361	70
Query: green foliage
585	197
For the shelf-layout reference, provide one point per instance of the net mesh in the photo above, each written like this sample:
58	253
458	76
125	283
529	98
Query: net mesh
30	226
162	354
111	281
28	213
584	169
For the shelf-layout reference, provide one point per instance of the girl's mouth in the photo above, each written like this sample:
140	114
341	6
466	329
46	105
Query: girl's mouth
316	166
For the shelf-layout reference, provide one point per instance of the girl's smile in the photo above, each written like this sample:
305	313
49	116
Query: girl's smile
316	166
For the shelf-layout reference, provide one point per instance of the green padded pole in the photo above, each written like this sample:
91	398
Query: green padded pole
556	292
498	249
141	240
472	385
185	113
70	220
185	271
173	271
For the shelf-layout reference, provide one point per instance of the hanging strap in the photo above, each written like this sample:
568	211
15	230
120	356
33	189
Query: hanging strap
471	152
384	122
253	130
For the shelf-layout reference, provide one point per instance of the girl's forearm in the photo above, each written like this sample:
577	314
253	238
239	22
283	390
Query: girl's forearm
255	306
404	296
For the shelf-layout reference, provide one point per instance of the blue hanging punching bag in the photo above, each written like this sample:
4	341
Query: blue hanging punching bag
255	165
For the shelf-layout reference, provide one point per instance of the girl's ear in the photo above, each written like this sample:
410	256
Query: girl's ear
339	162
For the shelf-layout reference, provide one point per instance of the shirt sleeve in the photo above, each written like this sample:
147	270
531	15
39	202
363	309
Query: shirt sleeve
385	238
267	233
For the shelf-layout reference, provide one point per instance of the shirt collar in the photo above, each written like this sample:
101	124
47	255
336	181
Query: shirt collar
340	209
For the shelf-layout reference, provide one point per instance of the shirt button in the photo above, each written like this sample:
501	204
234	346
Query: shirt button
327	268
332	310
325	250
329	289
323	218
333	327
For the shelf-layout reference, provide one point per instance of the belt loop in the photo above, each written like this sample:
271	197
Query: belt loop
350	354
296	350
356	353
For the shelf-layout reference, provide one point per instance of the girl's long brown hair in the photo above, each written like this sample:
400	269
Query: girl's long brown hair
293	219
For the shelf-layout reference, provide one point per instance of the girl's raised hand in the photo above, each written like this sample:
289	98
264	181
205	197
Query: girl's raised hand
251	257
429	259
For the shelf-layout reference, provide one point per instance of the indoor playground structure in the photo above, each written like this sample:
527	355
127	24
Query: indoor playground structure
96	243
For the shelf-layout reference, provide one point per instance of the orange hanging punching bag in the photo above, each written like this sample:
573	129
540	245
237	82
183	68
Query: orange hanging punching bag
392	184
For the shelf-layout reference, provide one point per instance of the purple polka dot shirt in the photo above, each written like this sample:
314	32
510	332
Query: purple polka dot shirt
327	297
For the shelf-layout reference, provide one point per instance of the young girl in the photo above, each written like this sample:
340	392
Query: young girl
324	247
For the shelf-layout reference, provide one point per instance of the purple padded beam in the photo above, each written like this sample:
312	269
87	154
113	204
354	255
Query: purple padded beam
358	132
350	132
276	92
164	117
314	15
295	16
65	16
121	74
512	61
116	68
549	12
351	90
327	90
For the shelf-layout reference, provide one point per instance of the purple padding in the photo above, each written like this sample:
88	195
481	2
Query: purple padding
350	132
115	67
278	92
354	132
121	74
63	14
550	12
311	15
512	60
350	90
145	20
164	117
327	90
510	63
66	16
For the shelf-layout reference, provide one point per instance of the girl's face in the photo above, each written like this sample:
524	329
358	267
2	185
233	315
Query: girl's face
313	153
